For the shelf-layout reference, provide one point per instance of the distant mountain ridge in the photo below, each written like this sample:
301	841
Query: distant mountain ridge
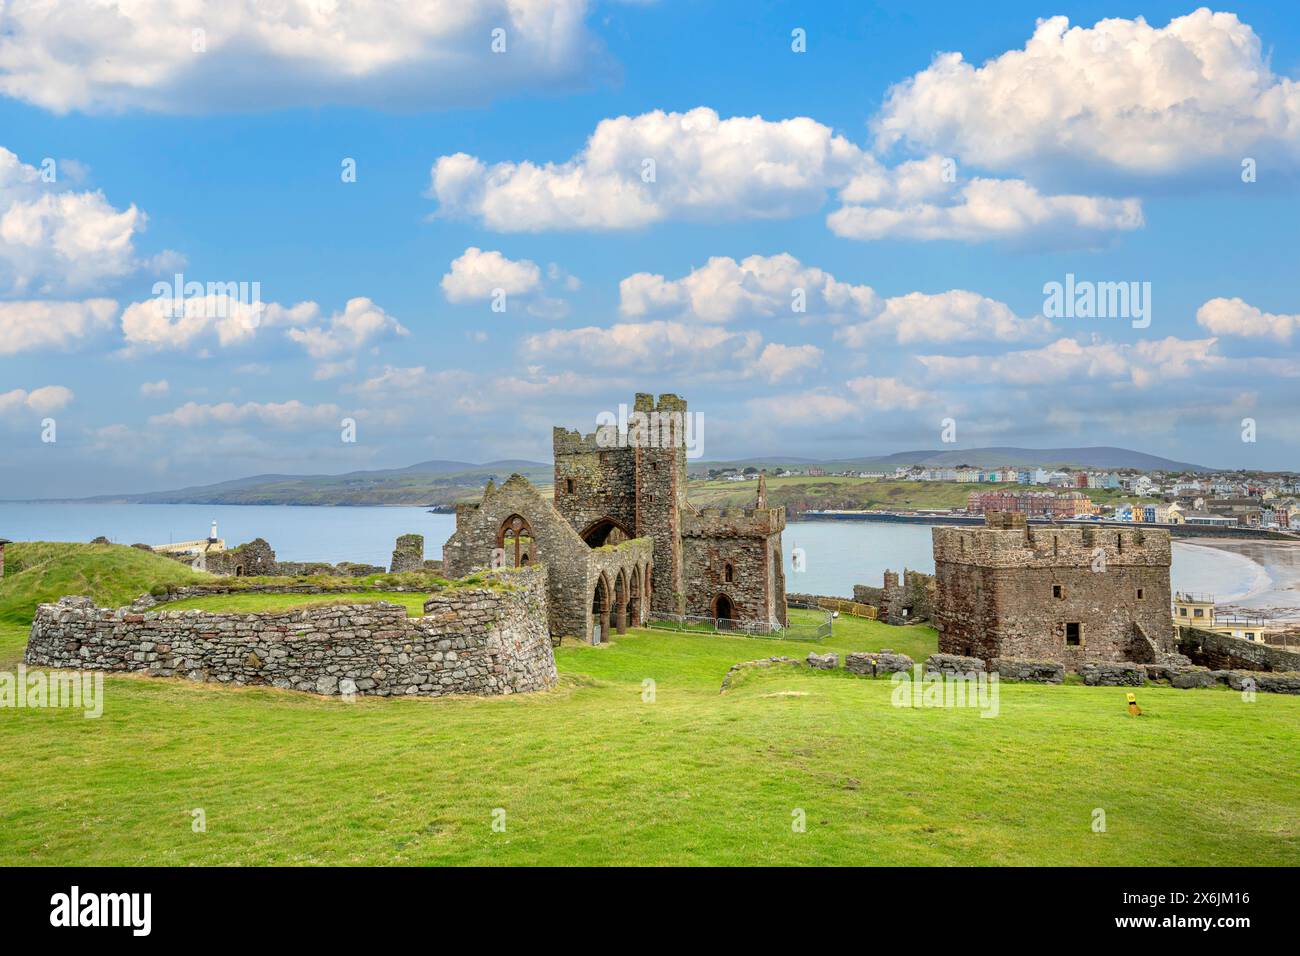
424	483
442	483
1103	456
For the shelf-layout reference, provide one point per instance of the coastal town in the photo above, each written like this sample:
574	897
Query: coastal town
1228	500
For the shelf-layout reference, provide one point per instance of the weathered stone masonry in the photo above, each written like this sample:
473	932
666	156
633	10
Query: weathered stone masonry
1071	595
587	587
489	640
620	539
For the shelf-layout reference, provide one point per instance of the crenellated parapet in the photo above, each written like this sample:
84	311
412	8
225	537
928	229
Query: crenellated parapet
570	441
1052	547
733	522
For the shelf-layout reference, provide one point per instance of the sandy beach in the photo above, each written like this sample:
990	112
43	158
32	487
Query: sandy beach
1270	590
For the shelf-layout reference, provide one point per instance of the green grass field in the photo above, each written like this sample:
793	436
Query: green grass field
594	772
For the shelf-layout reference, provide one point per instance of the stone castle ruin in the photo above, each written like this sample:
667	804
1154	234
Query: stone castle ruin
1072	595
256	558
486	637
910	601
619	539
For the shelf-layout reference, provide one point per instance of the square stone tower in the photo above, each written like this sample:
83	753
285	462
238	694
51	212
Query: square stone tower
1050	592
613	485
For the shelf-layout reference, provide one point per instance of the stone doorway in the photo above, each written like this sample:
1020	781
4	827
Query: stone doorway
724	612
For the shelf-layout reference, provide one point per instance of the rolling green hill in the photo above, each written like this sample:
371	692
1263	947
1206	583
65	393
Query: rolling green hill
428	483
38	572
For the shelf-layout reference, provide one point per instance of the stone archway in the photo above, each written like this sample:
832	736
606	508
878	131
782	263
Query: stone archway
600	602
620	601
605	531
634	609
724	612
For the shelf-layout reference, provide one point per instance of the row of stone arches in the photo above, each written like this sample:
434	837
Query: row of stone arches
620	602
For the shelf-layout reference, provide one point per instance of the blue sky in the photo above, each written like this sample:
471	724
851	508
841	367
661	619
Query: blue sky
1112	151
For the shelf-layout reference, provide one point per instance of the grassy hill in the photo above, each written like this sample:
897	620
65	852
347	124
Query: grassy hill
598	771
37	572
426	483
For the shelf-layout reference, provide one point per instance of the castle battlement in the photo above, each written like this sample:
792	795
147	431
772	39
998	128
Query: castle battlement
570	441
648	424
1052	547
733	523
668	402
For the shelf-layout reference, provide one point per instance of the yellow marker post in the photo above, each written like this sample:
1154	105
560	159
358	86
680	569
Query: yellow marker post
1133	709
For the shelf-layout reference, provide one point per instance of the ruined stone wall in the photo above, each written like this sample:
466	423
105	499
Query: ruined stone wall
631	558
490	640
252	559
257	559
1010	592
408	555
344	569
1223	652
640	486
750	541
555	544
592	482
900	602
183	592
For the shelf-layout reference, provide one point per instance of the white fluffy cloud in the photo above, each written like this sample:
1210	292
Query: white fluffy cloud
1068	362
155	389
54	240
360	323
106	57
228	321
1120	94
859	398
39	401
476	275
756	287
954	316
703	167
27	326
672	347
1236	317
777	362
987	209
289	416
660	345
638	170
164	323
761	287
479	276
